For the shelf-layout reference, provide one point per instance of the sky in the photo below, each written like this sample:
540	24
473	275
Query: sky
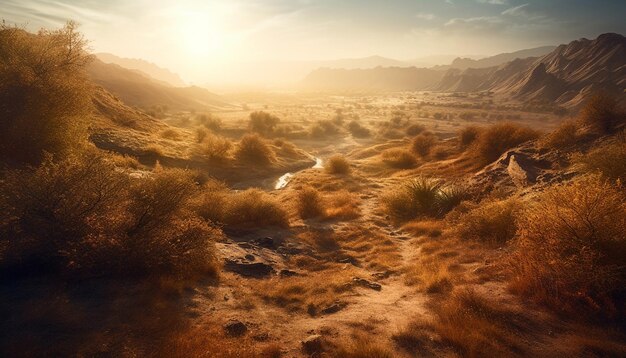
217	40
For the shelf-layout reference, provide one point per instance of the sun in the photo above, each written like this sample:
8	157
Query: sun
200	34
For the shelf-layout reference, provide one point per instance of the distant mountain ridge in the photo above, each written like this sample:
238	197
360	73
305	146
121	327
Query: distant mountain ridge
148	68
464	63
139	90
565	75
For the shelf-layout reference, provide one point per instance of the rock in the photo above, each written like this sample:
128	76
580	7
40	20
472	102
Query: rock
349	260
381	275
266	242
235	328
250	257
288	273
334	308
255	269
365	283
313	344
261	337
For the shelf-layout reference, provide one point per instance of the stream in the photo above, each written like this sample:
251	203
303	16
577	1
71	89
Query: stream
285	178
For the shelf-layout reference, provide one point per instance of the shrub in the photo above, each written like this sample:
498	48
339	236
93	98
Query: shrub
357	130
253	149
152	150
571	247
201	134
210	122
421	197
490	222
309	203
498	138
415	129
602	113
468	135
608	160
44	93
399	158
215	148
422	144
263	122
254	208
324	129
342	205
337	164
564	136
82	216
170	134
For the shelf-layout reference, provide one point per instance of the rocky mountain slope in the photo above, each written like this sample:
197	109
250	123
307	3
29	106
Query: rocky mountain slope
145	67
140	90
565	76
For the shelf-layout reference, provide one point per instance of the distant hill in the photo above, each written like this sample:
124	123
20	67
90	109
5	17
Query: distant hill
148	68
137	89
380	78
464	63
566	76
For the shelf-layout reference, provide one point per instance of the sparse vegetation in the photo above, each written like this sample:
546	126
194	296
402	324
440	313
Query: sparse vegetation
493	141
421	197
608	160
492	222
44	93
423	143
571	248
399	158
602	113
253	149
337	164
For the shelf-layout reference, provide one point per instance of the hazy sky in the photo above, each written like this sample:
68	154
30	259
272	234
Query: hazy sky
203	39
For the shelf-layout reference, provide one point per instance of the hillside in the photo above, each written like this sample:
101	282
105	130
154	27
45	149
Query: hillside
145	67
565	76
139	90
497	60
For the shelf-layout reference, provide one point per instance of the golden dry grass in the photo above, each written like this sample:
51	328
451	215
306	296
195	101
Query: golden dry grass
337	165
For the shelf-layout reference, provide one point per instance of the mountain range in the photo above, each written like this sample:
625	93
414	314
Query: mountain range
564	75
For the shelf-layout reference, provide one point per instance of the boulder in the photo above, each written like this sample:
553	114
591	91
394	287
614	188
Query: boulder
248	269
313	344
235	328
365	283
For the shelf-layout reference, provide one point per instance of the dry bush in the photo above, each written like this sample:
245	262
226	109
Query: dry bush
422	197
215	148
263	122
608	160
152	150
399	158
493	141
603	113
210	122
492	222
342	205
564	136
468	135
254	208
253	149
201	134
422	144
415	129
324	129
337	164
362	347
475	326
210	204
571	247
309	203
440	152
357	130
170	134
44	93
83	216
